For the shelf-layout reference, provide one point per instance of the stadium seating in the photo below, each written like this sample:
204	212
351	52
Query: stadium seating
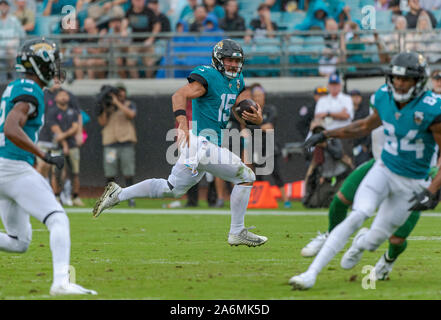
46	25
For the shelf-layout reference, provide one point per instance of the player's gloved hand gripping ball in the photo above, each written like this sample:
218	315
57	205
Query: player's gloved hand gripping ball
245	105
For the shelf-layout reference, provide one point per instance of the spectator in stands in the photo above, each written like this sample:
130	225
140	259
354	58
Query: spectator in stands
162	18
187	12
362	146
315	18
425	40
430	4
392	43
25	15
88	61
142	20
394	6
120	44
435	78
232	20
55	7
382	4
213	8
415	11
285	5
351	41
11	31
119	137
64	124
307	112
262	27
330	54
341	14
200	14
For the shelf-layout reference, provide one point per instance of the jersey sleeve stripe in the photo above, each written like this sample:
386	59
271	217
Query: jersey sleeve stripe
197	77
26	98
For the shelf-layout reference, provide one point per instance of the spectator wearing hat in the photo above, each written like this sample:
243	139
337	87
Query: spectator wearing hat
306	112
25	15
362	146
11	31
119	137
336	108
435	78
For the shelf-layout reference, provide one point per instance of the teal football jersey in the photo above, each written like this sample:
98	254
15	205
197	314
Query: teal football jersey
28	91
212	111
409	144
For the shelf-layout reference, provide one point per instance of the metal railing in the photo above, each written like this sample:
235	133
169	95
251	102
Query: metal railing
284	54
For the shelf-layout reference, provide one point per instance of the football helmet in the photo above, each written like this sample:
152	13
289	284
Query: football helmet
408	64
40	57
227	49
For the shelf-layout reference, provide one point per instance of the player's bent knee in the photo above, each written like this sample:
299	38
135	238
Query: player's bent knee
247	176
21	246
57	219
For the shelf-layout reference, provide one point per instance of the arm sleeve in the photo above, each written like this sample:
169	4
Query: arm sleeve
197	77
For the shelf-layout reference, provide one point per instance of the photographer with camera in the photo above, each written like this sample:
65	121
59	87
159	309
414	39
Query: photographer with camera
116	116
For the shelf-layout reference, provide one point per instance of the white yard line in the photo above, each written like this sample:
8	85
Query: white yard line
215	212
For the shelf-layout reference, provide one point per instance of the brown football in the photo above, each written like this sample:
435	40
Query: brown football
245	105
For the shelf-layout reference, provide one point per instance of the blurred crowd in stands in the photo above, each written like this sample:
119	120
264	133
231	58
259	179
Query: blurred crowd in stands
135	54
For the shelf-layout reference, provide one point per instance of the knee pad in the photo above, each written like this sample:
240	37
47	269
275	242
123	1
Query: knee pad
246	174
21	246
374	238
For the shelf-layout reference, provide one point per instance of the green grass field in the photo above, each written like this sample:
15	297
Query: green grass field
186	256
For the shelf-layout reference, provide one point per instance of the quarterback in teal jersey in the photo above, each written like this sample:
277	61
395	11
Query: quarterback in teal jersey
397	184
23	191
214	90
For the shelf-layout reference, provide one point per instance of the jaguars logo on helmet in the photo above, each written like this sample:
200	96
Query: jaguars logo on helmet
39	57
227	49
408	64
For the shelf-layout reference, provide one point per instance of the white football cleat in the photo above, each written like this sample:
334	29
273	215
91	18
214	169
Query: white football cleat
353	255
108	199
246	237
313	247
383	268
70	288
303	281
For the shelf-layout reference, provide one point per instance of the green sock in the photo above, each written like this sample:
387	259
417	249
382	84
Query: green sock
395	250
337	212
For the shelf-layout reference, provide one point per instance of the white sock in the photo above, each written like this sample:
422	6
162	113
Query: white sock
239	202
59	240
150	188
336	241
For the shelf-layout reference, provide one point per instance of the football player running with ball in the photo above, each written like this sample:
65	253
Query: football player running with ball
214	90
23	191
397	183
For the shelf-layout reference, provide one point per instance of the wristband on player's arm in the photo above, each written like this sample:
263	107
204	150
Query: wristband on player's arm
180	112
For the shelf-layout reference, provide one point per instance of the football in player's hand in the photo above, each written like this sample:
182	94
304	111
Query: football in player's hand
245	105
